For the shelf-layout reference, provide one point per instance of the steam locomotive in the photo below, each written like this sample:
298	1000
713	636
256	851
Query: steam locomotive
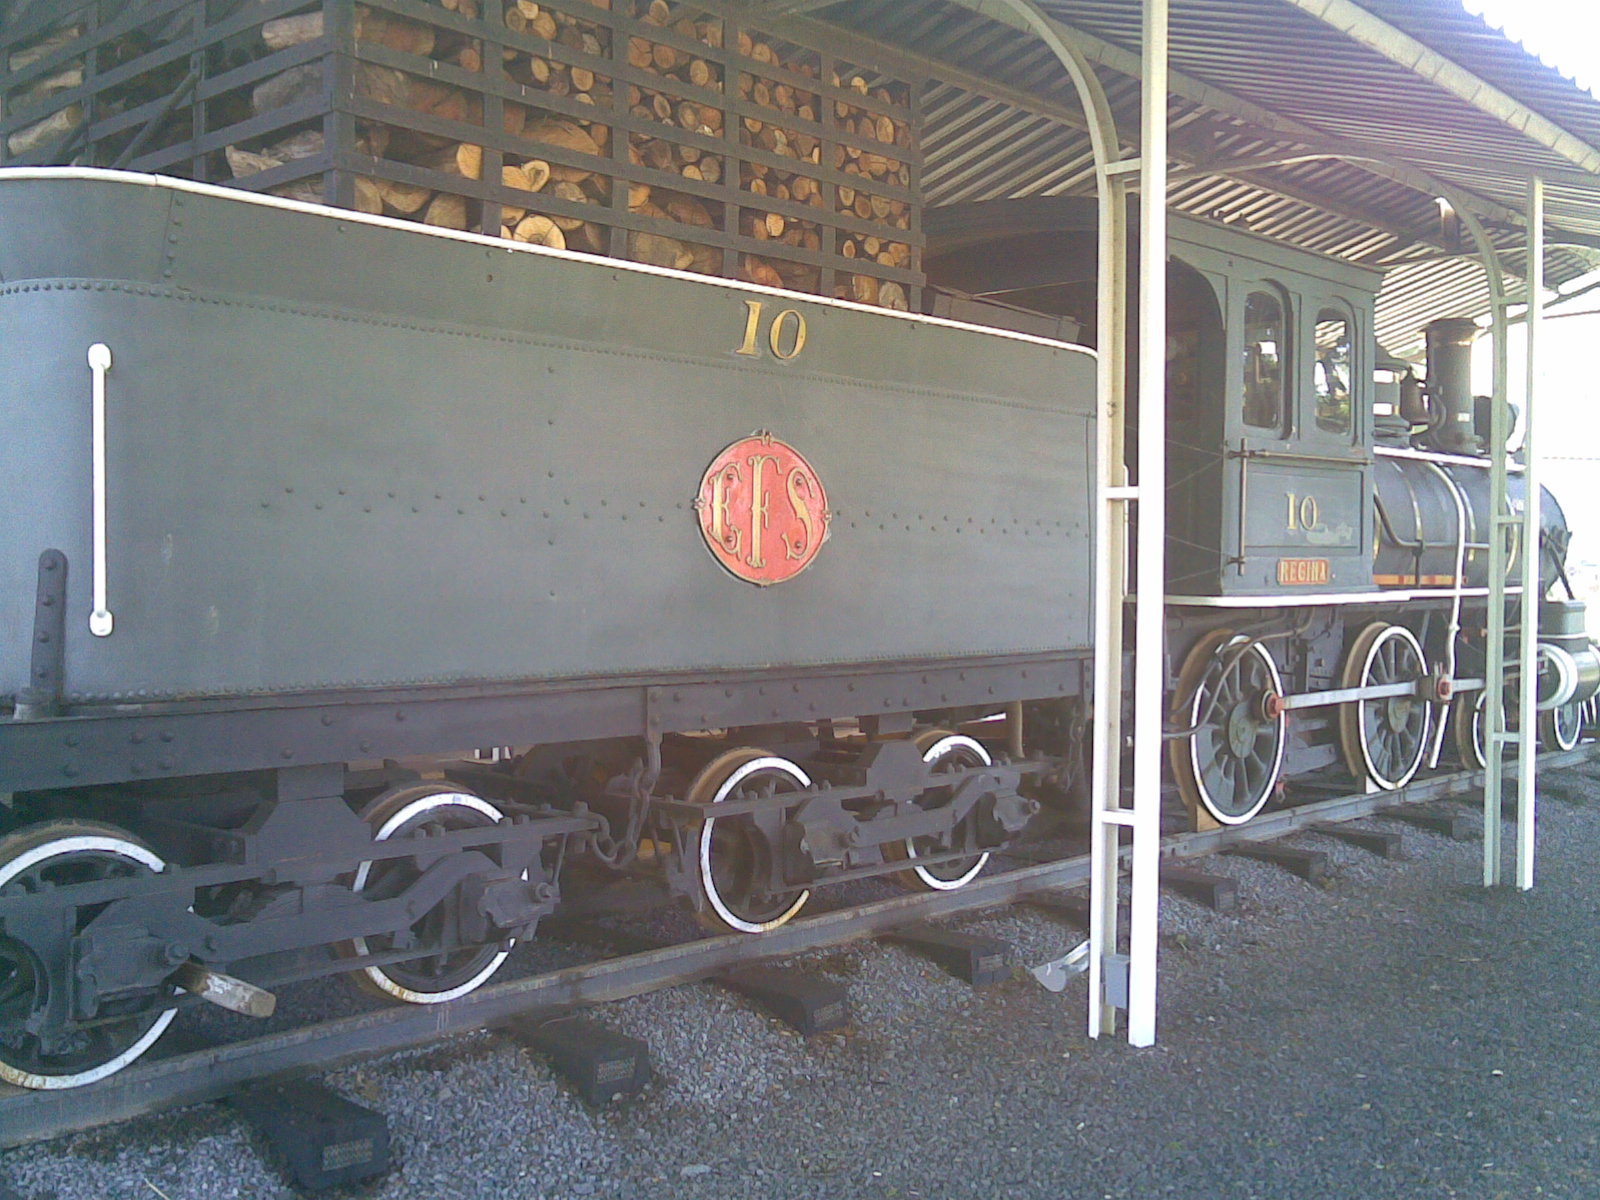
755	591
1328	516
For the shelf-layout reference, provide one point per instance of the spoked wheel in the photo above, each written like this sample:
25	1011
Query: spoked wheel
1561	728
1384	740
733	858
944	752
1468	713
52	855
442	971
1230	762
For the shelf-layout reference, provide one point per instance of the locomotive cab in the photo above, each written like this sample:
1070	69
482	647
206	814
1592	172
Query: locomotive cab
1269	383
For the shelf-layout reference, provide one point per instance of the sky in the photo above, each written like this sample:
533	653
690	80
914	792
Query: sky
1565	33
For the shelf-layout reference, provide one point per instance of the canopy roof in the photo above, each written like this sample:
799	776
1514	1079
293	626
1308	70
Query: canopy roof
1321	123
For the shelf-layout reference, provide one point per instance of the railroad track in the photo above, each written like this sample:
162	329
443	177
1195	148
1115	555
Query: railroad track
213	1072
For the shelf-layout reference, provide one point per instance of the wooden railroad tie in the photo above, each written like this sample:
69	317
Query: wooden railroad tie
1220	893
1452	824
1310	865
1385	843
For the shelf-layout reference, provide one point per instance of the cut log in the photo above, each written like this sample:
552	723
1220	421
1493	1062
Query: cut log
369	195
390	86
465	160
42	133
686	210
758	270
659	251
540	231
21	60
892	295
537	173
865	289
405	199
297	30
447	211
288	87
244	163
589	238
572	192
43	89
565	135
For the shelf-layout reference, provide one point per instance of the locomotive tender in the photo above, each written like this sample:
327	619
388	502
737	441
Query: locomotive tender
770	591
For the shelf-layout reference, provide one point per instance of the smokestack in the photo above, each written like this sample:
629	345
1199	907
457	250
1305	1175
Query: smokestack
1450	384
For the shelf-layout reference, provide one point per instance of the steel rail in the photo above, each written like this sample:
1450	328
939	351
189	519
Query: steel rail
209	1074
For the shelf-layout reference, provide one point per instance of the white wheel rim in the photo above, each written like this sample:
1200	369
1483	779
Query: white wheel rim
1281	742
395	822
939	749
103	844
1480	706
1403	634
707	883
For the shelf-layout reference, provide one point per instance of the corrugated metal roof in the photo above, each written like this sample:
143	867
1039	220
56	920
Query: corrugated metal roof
1278	121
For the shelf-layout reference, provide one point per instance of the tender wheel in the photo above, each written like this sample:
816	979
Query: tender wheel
442	971
732	852
1231	762
1384	740
1561	728
1468	715
58	854
944	752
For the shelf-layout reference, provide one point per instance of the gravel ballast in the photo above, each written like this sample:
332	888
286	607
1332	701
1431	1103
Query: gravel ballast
1395	1031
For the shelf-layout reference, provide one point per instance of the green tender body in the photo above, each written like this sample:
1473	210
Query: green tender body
345	454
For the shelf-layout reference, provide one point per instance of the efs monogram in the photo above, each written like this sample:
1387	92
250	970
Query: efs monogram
762	510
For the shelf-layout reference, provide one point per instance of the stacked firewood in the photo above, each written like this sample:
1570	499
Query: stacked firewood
66	76
746	125
127	58
882	141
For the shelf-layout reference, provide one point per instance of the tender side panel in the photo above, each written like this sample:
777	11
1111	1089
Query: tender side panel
308	494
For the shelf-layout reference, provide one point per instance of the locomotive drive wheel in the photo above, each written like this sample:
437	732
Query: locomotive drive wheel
59	854
732	852
944	752
447	971
1230	764
1384	740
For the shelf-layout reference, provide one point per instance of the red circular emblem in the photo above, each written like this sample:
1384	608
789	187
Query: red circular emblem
762	510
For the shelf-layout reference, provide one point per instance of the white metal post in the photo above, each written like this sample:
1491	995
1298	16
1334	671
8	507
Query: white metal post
1527	769
1112	499
1500	520
1150	604
1111	585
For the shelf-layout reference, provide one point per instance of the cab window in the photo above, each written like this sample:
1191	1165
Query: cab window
1266	356
1331	374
